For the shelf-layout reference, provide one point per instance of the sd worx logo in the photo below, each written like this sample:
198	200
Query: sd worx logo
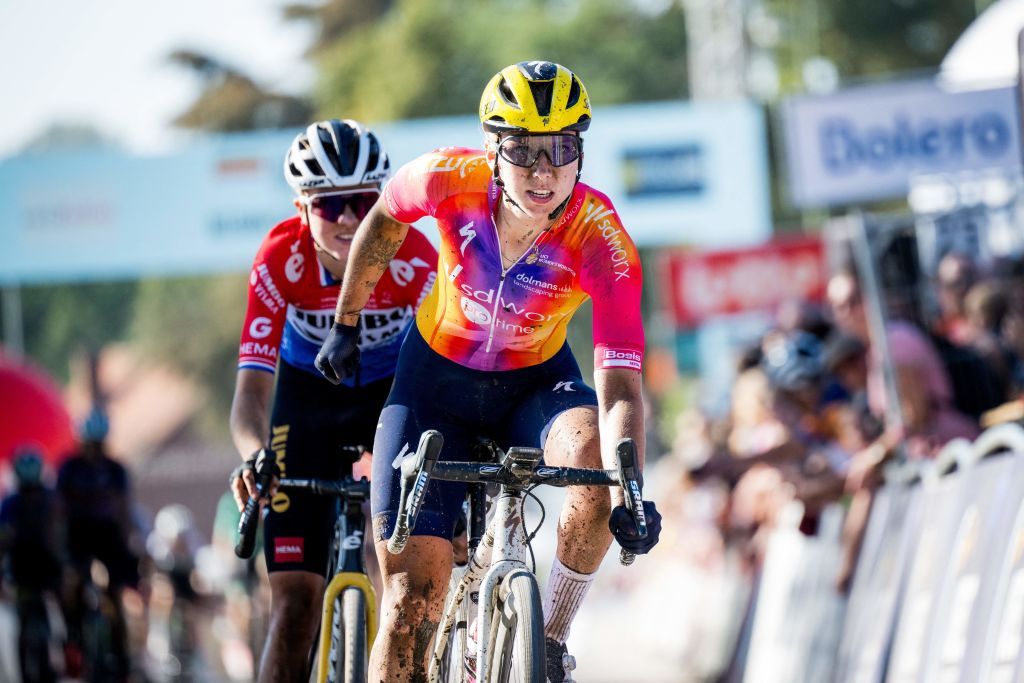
613	238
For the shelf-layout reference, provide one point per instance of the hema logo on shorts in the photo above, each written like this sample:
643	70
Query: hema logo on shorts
289	549
620	358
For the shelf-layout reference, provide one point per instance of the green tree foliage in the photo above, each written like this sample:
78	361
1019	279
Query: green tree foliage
337	19
433	57
193	324
63	320
230	101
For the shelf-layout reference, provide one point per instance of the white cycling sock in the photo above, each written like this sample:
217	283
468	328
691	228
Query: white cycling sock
562	599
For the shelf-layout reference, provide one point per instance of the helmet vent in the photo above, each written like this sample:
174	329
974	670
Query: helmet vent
507	94
542	93
314	167
374	154
327	139
574	93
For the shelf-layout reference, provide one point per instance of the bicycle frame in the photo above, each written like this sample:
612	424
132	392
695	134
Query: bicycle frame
350	567
501	551
496	558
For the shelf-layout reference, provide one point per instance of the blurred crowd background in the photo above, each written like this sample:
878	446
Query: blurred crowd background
827	198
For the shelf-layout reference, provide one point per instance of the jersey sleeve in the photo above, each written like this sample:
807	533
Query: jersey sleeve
264	314
612	277
421	185
415	264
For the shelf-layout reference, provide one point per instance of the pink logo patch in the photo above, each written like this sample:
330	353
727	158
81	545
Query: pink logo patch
289	549
620	358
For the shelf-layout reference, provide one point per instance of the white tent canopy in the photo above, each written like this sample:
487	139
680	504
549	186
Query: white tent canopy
986	54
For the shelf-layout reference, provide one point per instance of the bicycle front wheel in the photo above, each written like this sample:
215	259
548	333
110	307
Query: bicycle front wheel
351	666
517	654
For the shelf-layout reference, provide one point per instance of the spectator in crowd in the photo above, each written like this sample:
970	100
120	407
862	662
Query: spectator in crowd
985	309
955	275
30	556
925	393
95	493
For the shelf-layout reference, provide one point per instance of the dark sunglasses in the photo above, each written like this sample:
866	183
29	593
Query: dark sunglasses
331	207
524	150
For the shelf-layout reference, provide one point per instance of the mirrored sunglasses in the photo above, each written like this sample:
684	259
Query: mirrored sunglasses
524	150
331	207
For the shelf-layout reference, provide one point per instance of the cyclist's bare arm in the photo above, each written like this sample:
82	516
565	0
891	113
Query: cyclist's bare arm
250	422
376	242
621	414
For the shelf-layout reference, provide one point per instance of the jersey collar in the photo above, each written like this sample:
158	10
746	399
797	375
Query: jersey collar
572	209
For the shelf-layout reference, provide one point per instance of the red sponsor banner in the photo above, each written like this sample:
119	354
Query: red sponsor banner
710	283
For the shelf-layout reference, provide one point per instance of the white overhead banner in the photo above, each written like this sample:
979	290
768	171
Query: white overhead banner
677	173
865	143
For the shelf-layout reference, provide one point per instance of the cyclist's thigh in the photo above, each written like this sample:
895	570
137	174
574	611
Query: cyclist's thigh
311	420
557	389
397	437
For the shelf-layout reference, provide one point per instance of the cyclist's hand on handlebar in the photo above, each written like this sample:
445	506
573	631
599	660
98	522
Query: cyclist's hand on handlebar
623	528
243	479
339	355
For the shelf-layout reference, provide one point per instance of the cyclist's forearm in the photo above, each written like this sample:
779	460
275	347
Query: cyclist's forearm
250	411
376	242
621	414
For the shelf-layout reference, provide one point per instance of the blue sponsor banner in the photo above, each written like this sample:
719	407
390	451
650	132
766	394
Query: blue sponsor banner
866	143
677	173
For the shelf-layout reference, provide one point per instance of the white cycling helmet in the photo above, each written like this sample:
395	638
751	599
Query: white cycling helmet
337	155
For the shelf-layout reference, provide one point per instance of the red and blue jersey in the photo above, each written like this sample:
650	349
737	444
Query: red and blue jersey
292	300
487	317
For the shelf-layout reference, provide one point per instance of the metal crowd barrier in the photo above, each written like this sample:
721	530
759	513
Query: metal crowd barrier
938	594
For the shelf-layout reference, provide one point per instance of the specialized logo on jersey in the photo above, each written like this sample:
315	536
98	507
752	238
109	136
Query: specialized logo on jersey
404	272
469	233
612	235
289	549
563	386
260	328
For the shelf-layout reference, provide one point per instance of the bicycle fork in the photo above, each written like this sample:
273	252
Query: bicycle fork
332	594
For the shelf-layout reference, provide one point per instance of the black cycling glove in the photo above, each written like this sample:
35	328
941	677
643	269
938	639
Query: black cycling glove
339	356
623	528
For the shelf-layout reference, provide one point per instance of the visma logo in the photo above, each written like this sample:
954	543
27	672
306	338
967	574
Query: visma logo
845	148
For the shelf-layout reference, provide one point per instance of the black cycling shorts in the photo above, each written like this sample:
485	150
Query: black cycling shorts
512	407
311	420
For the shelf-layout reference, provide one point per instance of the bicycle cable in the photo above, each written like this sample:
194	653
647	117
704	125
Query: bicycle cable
543	514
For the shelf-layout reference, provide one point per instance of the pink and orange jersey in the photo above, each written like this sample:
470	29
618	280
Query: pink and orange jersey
292	298
487	317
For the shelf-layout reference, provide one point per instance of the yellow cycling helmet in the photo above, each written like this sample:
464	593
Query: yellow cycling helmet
535	97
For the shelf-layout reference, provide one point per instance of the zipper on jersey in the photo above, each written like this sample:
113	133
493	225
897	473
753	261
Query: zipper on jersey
504	272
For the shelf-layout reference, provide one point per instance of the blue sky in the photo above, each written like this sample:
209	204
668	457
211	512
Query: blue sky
103	62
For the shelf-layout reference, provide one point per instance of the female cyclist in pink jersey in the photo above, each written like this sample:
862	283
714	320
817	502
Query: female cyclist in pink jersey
523	244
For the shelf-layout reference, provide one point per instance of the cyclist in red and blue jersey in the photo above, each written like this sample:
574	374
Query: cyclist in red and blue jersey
523	244
337	169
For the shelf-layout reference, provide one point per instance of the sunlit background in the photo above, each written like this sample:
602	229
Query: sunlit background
752	148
